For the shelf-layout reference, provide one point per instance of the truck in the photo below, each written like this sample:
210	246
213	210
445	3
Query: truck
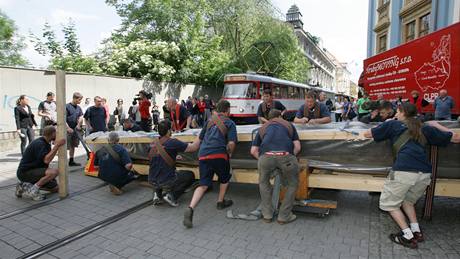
427	64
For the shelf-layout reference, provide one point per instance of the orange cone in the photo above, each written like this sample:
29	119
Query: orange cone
89	168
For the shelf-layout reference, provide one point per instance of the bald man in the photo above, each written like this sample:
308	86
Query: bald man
180	117
443	104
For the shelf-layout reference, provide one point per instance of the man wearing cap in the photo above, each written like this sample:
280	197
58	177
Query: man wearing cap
47	110
169	183
114	164
276	146
218	140
312	111
180	117
267	105
74	120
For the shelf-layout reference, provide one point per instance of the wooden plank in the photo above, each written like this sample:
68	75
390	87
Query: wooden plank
62	134
335	180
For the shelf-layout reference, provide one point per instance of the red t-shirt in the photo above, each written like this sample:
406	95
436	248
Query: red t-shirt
144	109
201	106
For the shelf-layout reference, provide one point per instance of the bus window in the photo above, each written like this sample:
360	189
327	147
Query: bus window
252	91
283	92
239	90
276	91
263	87
292	92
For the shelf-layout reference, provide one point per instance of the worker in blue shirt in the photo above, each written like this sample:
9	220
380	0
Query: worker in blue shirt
114	164
268	104
218	139
169	184
411	171
312	111
276	146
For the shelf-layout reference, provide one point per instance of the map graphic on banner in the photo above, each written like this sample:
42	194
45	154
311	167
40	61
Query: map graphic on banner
433	76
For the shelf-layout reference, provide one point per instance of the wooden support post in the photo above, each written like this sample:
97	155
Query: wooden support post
430	190
62	134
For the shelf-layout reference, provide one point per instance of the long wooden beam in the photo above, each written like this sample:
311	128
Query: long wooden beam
334	180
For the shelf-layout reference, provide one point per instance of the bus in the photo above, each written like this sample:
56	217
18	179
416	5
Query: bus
244	92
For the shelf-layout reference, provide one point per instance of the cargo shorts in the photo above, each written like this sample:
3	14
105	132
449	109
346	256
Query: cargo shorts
401	186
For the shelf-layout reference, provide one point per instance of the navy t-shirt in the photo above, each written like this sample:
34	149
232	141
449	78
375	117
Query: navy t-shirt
160	172
109	168
214	142
96	117
276	139
33	155
412	156
276	105
324	112
73	113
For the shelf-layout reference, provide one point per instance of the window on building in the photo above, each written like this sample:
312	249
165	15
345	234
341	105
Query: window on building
424	25
410	31
382	43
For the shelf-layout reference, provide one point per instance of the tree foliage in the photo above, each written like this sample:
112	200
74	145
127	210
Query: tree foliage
214	37
65	54
11	44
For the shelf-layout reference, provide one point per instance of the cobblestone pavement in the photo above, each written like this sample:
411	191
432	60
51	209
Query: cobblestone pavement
357	229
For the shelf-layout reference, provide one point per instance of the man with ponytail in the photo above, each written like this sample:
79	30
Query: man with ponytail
411	170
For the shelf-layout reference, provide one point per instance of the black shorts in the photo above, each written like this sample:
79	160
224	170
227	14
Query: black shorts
72	140
208	168
34	175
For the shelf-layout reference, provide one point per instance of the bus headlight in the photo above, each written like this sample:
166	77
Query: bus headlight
241	109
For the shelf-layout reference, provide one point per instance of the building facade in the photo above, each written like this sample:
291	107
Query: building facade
395	22
322	69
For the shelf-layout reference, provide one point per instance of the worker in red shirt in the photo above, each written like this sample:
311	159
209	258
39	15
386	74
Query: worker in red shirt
201	108
144	110
180	117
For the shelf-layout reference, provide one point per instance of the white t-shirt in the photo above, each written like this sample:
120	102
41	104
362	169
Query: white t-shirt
338	107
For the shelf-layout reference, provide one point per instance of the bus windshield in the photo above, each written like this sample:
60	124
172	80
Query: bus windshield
240	90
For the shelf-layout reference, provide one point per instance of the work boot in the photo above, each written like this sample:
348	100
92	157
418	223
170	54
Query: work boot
188	218
169	198
115	190
289	220
224	204
19	190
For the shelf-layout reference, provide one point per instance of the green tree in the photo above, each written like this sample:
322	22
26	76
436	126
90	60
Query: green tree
66	54
11	44
214	37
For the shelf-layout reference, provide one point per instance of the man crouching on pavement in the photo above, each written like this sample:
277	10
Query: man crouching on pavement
114	164
218	138
276	146
33	171
169	184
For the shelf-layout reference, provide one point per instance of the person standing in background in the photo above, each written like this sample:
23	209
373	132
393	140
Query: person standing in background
207	110
24	121
361	111
338	109
119	112
47	110
96	117
74	120
166	112
144	109
107	111
443	104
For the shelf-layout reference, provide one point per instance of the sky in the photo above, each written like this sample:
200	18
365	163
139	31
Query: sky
341	24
